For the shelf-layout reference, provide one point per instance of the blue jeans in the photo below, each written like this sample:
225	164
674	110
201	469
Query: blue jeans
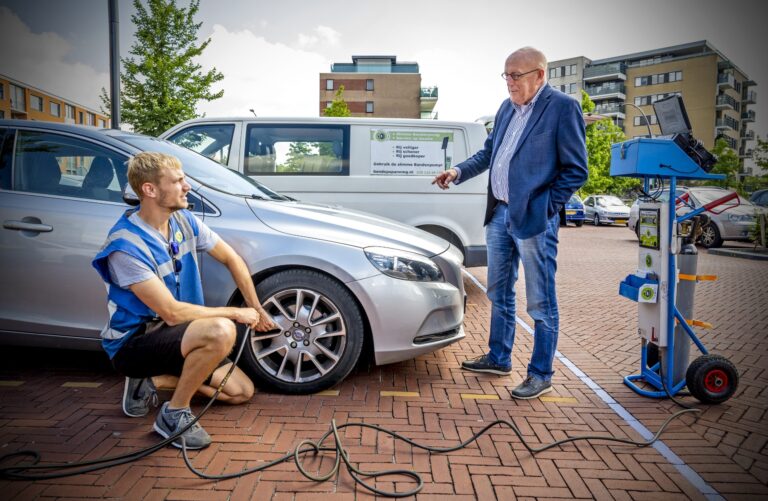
538	255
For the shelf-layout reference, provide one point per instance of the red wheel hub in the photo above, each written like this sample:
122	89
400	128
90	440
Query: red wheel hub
716	381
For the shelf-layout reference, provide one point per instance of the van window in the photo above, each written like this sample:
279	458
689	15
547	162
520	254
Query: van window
297	150
213	141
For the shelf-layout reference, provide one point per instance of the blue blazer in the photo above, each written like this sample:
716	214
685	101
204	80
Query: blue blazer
549	165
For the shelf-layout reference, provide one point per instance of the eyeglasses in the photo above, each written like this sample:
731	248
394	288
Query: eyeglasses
517	76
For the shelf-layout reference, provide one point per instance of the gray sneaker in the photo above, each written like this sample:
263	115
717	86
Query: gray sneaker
483	364
532	387
170	421
138	394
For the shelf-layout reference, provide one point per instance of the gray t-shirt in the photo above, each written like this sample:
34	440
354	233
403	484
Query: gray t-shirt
126	270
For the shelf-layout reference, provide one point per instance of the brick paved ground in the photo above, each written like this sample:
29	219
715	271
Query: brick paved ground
66	405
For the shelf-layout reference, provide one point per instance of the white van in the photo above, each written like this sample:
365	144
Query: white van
382	166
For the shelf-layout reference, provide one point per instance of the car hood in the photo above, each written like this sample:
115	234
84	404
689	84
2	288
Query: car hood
345	226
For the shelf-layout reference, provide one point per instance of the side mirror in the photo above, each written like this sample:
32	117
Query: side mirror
129	196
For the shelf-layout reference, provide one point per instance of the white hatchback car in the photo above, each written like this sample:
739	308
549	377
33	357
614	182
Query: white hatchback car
605	209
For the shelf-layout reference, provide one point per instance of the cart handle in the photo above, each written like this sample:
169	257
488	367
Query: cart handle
711	205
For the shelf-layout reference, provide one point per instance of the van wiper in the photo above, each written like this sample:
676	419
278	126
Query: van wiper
257	197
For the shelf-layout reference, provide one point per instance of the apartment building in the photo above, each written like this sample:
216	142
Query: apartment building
717	94
379	86
21	101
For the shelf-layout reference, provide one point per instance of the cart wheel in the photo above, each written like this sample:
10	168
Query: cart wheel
712	379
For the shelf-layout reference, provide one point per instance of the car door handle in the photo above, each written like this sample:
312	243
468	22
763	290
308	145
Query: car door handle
25	226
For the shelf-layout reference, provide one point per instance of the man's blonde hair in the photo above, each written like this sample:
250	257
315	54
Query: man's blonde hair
147	167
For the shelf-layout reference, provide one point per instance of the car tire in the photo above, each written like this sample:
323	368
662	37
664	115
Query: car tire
710	236
320	337
579	223
596	220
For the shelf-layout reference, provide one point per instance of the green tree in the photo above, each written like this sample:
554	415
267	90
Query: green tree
728	164
161	83
338	107
297	152
600	136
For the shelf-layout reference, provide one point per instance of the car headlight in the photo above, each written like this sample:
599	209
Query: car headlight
741	218
404	265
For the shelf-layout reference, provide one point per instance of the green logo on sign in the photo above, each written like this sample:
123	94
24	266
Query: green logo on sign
647	293
381	135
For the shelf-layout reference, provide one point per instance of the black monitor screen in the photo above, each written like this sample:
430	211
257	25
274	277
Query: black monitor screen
671	115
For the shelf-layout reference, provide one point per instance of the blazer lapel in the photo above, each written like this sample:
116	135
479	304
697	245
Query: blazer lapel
538	110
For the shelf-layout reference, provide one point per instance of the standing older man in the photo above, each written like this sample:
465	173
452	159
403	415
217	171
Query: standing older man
538	159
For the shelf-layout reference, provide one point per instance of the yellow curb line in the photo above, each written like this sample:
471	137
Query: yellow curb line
80	385
399	394
328	393
478	396
11	383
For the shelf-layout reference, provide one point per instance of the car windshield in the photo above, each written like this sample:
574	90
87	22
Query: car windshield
574	199
609	201
203	169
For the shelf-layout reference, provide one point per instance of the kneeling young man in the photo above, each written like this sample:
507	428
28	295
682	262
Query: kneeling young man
159	332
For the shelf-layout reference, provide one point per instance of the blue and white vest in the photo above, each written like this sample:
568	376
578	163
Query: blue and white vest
126	311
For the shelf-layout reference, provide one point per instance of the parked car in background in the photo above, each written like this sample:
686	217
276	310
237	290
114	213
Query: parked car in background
573	211
760	197
734	220
384	166
605	209
331	279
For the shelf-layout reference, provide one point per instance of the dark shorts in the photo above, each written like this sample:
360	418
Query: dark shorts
154	350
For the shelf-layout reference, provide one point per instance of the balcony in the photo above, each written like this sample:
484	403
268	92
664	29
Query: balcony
748	116
749	97
723	124
607	91
726	81
747	135
745	153
611	110
605	72
427	99
725	101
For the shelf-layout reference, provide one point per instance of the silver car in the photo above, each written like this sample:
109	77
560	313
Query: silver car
333	280
733	220
605	209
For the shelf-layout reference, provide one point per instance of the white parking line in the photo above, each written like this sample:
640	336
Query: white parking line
686	471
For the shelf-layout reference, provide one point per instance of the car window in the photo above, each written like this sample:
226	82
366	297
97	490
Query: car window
6	154
706	196
297	150
203	169
589	201
55	164
574	199
213	141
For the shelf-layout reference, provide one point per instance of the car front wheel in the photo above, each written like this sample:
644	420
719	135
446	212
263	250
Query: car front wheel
596	221
320	334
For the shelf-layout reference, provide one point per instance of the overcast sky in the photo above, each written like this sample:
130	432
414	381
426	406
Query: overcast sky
271	52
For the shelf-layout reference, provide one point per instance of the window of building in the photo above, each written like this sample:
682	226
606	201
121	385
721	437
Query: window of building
659	78
2	90
18	98
553	72
573	88
329	84
369	84
2	114
321	150
102	123
55	109
69	111
80	117
369	106
36	102
90	119
570	69
641	120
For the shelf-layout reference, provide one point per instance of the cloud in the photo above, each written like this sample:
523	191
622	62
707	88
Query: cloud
38	60
322	35
273	79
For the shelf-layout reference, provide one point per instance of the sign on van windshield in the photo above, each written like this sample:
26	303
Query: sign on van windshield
410	153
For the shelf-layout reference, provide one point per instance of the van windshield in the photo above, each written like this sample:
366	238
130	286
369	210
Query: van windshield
203	169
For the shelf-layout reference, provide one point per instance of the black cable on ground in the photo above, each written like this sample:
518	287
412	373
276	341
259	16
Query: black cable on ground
60	470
